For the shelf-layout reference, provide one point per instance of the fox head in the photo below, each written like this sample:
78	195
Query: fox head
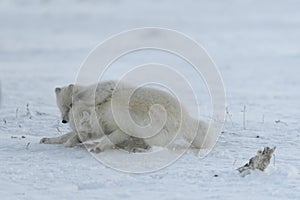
64	97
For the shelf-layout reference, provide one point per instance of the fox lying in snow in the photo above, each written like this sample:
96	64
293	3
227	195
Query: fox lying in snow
88	110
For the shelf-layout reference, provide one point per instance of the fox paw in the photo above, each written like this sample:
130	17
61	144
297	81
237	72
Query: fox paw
96	150
45	141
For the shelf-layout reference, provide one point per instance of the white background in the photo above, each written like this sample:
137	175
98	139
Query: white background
255	44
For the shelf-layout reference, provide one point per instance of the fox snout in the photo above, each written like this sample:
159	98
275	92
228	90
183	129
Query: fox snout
65	119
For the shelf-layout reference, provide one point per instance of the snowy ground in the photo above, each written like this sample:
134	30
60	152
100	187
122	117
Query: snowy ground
255	44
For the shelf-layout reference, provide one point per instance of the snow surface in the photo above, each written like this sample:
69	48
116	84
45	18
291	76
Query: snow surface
255	44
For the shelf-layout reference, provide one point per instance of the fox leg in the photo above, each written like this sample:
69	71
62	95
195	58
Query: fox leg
109	141
58	140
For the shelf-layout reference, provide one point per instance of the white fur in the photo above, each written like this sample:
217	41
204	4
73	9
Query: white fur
92	118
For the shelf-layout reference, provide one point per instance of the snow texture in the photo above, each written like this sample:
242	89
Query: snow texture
255	44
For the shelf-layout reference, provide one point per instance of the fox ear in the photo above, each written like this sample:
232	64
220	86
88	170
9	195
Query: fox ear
71	86
57	90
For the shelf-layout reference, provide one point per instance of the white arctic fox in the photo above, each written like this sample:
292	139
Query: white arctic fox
88	110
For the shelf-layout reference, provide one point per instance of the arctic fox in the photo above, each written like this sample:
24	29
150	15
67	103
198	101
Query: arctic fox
89	111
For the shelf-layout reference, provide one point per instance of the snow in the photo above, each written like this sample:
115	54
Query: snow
255	45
